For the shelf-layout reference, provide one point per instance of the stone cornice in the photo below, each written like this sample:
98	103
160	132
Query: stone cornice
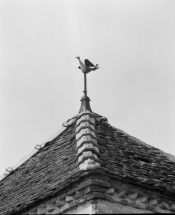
101	187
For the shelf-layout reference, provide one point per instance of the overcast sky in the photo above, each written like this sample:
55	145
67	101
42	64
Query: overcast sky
133	42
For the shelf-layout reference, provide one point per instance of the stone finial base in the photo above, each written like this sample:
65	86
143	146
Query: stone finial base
85	104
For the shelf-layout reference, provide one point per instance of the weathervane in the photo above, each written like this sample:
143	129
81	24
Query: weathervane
86	68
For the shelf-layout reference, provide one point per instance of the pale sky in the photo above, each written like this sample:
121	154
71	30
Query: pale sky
133	41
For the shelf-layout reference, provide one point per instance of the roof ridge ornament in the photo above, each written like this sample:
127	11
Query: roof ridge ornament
88	152
86	68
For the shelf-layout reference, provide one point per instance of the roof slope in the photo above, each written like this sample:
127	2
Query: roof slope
128	157
56	164
41	175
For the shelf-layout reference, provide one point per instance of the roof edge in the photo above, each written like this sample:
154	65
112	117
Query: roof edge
171	157
8	170
38	147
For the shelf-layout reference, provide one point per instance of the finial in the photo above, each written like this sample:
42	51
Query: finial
86	68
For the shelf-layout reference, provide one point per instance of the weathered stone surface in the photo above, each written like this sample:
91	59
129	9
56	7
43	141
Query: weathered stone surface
105	207
160	210
65	124
153	202
143	199
125	201
139	205
59	203
99	177
89	164
87	183
133	196
71	192
83	208
86	117
41	210
79	194
47	202
86	155
150	208
33	211
88	147
94	206
51	207
56	211
73	204
105	184
62	196
109	197
83	125
95	195
81	200
172	207
110	191
164	205
116	197
88	152
90	189
85	131
86	139
122	194
69	199
116	186
125	184
65	207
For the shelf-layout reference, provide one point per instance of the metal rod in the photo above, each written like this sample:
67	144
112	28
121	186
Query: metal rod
85	86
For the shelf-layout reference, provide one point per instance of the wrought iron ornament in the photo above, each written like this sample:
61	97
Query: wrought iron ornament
86	68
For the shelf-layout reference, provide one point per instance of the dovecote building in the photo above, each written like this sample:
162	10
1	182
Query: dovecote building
90	167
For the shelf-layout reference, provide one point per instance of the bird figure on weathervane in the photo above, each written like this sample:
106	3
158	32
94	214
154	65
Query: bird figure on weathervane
87	67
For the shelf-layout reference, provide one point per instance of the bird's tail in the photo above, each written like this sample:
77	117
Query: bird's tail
95	67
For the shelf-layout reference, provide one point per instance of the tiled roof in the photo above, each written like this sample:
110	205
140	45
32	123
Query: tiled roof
56	165
130	158
41	175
